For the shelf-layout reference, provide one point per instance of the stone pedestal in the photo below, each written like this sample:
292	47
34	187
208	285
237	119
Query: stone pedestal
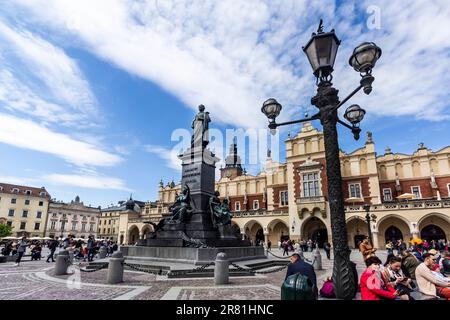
198	173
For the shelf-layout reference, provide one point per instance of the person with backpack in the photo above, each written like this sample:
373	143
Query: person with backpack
297	265
52	245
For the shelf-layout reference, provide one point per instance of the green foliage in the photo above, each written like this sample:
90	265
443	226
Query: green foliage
5	230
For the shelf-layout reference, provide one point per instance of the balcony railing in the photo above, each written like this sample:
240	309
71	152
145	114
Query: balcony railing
258	213
414	204
310	199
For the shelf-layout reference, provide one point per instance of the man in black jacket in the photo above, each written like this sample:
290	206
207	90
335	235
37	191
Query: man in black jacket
297	265
52	245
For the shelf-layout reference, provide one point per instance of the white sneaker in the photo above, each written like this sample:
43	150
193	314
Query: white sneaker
16	264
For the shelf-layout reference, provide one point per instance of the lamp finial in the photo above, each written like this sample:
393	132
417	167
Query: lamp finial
320	29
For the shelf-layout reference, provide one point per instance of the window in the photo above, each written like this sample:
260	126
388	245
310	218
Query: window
109	230
11	213
54	214
311	185
9	223
355	190
63	225
83	227
255	204
27	202
109	222
13	200
91	228
74	226
23	225
75	217
53	225
237	206
387	194
147	210
41	203
416	191
64	216
39	215
43	194
37	226
28	192
15	190
25	214
283	198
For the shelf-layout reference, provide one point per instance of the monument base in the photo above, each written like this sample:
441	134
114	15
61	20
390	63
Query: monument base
196	256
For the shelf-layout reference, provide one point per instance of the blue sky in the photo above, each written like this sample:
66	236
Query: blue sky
91	91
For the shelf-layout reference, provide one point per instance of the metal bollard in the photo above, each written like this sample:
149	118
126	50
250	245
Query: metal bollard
62	263
221	269
317	260
115	268
102	252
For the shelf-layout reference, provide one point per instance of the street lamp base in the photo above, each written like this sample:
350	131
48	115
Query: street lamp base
344	281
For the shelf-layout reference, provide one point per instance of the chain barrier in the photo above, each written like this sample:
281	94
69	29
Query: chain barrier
254	271
146	270
198	269
70	263
93	270
304	258
278	256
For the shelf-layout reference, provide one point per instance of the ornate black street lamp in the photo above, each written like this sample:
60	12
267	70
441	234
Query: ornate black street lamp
321	51
369	218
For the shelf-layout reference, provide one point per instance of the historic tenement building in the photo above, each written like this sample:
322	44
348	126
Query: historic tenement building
72	218
24	209
129	220
290	200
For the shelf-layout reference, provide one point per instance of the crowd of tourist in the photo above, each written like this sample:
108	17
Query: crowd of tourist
83	249
419	270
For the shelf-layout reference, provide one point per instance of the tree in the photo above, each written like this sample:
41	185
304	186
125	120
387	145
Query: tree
5	230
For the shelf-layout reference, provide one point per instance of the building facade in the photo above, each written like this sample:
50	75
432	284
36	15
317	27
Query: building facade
290	200
72	218
24	209
408	196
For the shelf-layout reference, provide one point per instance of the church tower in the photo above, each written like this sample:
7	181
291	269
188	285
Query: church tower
233	166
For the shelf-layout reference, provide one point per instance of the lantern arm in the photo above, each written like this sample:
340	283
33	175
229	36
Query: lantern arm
355	130
349	97
274	125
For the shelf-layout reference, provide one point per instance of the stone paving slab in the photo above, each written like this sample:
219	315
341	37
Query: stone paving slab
35	281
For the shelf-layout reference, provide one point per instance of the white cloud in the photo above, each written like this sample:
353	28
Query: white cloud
87	181
18	180
231	55
45	73
27	134
170	156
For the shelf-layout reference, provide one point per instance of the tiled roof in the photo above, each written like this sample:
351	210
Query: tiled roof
22	190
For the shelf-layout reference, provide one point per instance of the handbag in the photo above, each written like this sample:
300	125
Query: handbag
327	290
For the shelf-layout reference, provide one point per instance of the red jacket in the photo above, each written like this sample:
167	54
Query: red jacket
371	287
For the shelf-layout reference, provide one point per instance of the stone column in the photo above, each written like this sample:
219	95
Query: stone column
375	239
266	238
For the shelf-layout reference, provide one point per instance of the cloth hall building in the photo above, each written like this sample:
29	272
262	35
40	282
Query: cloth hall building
290	200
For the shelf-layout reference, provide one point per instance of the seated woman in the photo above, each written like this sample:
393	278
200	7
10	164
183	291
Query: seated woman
394	276
372	285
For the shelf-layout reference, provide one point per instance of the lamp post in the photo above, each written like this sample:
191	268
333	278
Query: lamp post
369	218
321	51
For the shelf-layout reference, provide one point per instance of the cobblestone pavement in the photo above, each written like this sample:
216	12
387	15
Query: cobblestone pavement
35	281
